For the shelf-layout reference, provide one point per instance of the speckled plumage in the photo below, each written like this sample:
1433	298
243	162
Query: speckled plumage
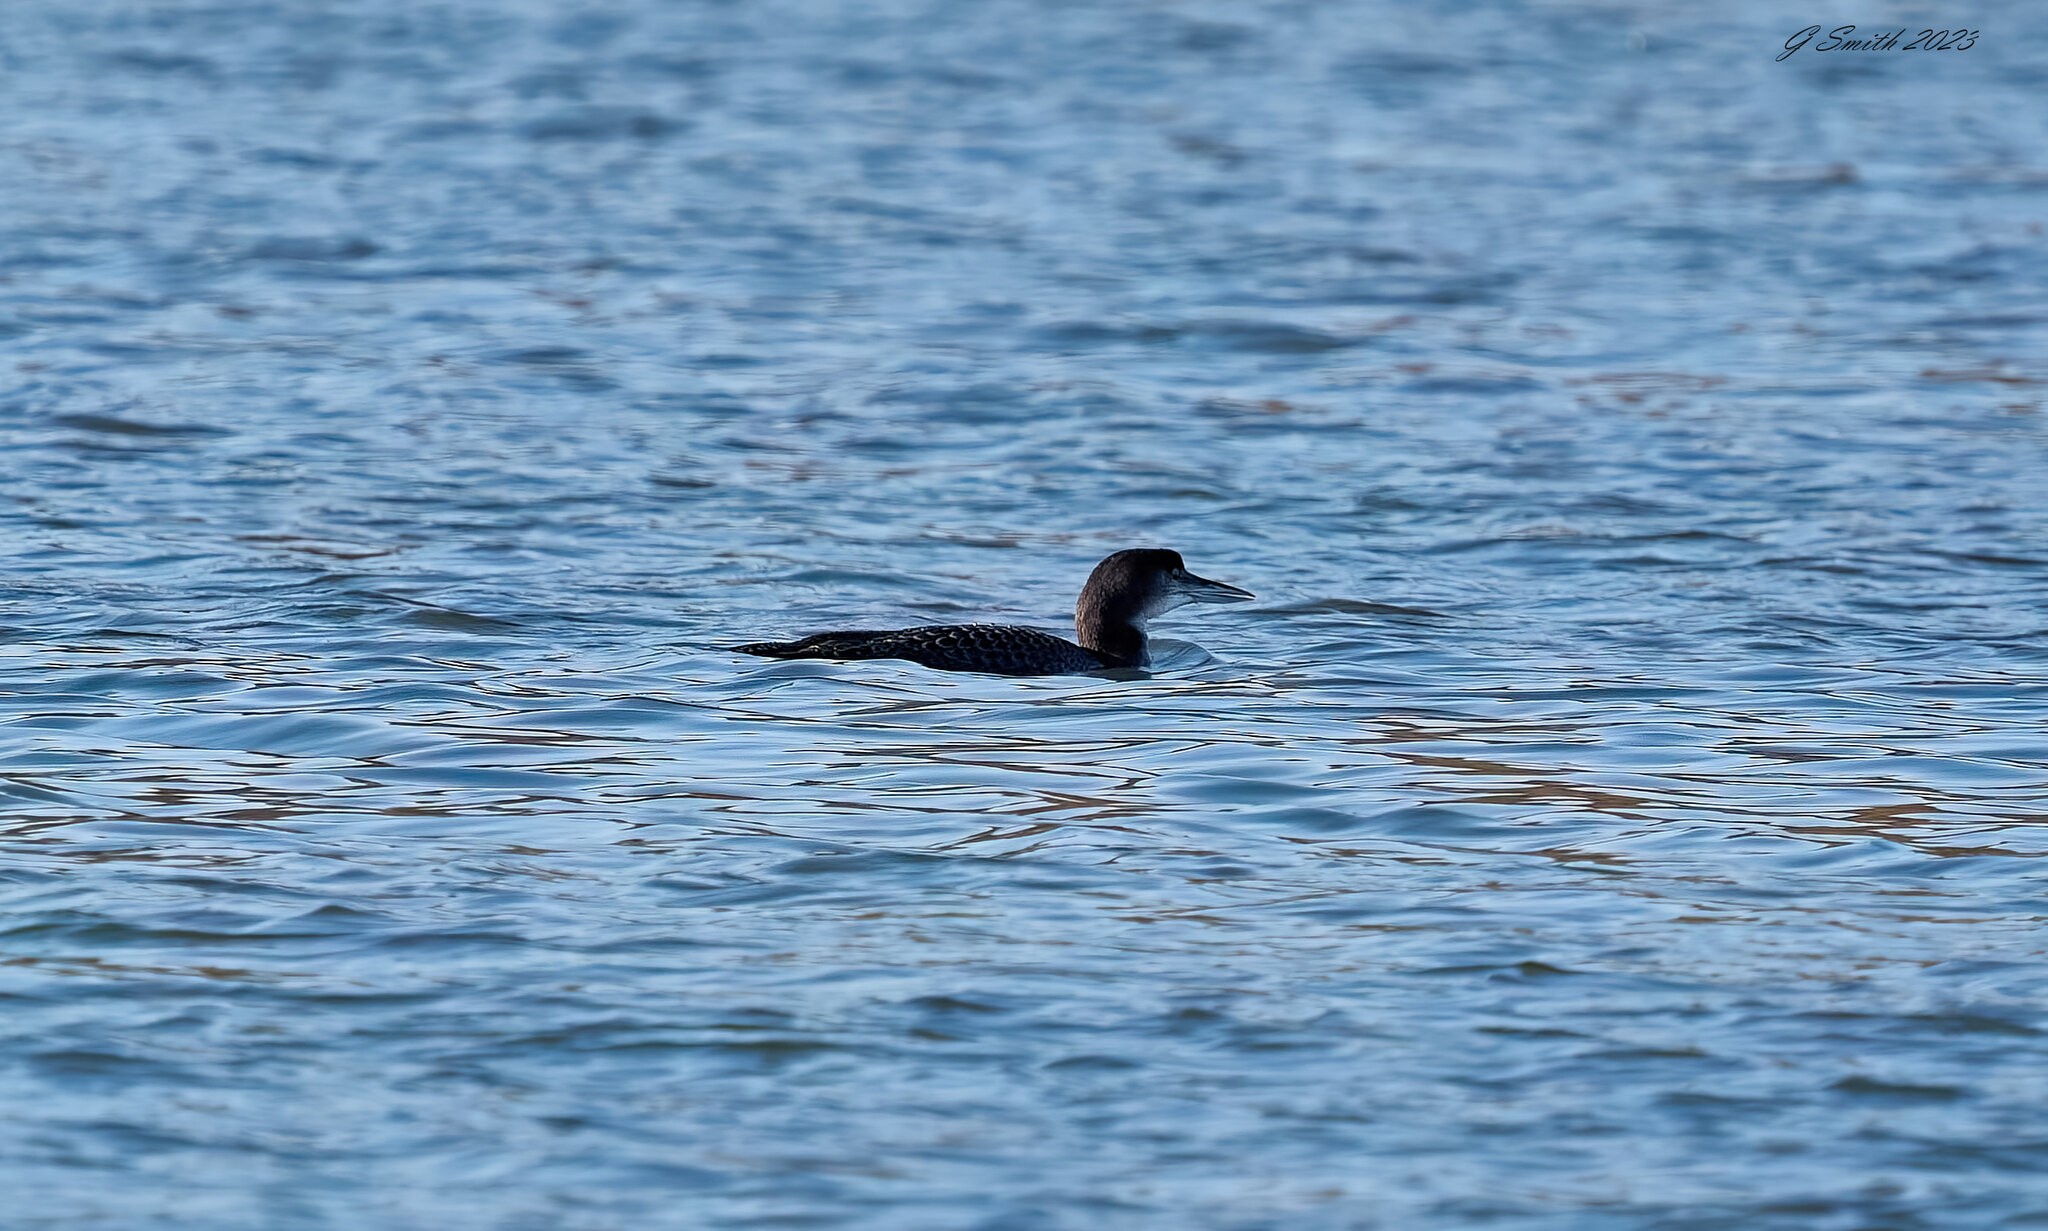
1001	649
1125	590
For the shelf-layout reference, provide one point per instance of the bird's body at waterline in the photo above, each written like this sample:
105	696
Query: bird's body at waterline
1123	592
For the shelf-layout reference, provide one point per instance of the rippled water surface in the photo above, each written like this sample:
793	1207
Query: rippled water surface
1619	810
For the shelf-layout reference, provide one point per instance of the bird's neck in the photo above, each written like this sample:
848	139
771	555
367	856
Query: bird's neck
1119	642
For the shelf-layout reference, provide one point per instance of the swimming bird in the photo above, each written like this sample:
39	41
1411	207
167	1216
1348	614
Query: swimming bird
1124	591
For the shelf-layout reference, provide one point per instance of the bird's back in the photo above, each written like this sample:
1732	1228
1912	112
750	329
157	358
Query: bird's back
1002	649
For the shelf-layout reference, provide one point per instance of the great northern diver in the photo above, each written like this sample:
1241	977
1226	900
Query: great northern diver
1122	593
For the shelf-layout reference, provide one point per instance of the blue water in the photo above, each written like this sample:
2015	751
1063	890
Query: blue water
1619	810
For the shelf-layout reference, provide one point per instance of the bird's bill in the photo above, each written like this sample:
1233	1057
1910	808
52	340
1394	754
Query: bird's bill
1202	590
